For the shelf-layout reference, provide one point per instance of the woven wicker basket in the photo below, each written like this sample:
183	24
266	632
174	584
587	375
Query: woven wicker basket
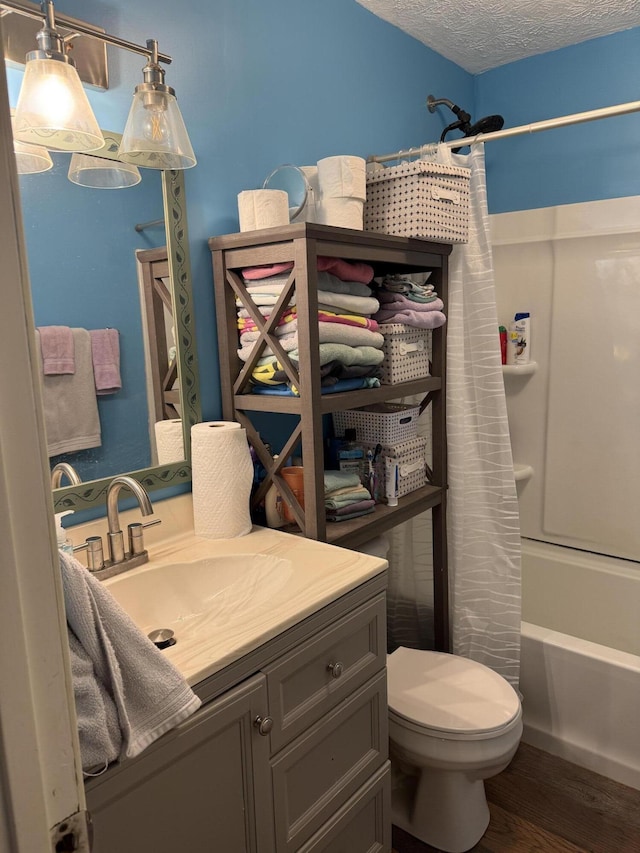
386	423
419	199
412	469
406	353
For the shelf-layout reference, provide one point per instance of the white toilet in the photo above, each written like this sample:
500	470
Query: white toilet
453	723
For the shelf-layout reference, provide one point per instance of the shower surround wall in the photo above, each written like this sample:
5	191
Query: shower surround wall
576	268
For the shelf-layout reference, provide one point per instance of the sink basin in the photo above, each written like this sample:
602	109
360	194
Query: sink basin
186	596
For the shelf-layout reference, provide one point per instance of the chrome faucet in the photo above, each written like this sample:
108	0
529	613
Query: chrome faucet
115	539
58	472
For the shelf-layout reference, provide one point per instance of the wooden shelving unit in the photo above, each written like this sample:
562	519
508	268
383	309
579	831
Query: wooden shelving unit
301	245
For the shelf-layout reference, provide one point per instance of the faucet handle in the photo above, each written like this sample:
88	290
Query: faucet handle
95	553
135	532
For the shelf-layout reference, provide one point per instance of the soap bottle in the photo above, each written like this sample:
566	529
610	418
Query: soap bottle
351	454
64	543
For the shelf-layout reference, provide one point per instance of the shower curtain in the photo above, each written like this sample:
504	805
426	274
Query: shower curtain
482	513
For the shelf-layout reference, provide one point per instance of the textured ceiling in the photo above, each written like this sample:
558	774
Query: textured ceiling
482	34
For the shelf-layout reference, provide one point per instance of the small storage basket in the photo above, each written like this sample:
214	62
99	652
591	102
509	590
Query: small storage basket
406	353
412	467
419	199
380	423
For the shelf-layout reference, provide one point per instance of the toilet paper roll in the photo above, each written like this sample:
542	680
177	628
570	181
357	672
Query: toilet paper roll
342	177
222	475
262	209
169	441
341	212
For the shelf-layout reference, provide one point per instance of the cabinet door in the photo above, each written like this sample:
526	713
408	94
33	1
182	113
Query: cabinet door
205	786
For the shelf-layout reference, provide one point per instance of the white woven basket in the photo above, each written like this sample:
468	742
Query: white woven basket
412	469
406	353
380	423
419	199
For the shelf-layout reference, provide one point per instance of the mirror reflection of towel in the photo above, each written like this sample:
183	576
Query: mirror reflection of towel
70	405
58	352
105	351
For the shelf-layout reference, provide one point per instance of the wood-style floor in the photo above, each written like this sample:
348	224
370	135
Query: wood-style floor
543	804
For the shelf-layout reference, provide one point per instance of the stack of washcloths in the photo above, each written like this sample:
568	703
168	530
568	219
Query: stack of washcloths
404	301
350	343
345	497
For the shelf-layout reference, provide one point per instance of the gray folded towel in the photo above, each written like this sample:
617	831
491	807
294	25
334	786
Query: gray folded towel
149	694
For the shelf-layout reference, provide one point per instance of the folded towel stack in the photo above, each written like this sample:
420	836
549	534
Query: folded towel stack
404	301
127	693
350	343
345	497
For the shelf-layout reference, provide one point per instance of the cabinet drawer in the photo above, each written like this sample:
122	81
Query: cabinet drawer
306	683
316	774
362	825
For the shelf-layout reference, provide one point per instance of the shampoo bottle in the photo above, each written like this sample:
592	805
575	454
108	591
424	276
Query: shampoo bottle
519	339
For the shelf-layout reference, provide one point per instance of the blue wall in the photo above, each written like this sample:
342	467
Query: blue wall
585	162
260	84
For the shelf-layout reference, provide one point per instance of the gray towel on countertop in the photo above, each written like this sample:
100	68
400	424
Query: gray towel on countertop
149	694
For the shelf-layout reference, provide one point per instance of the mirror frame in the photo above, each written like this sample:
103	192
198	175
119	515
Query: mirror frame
93	493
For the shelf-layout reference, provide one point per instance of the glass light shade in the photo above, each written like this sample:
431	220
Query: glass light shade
155	136
101	173
53	109
31	159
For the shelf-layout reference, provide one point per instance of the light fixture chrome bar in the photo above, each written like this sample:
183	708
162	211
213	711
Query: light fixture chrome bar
33	11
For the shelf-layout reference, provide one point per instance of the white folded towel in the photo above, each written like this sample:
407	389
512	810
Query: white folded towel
149	693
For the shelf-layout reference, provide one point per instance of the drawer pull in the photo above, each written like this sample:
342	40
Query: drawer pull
263	724
336	669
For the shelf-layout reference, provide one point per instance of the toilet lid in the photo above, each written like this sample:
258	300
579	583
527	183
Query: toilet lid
448	693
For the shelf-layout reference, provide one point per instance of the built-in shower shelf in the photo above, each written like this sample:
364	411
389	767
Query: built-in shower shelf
522	472
520	369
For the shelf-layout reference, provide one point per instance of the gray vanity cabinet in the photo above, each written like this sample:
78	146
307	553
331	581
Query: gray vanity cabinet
289	751
205	786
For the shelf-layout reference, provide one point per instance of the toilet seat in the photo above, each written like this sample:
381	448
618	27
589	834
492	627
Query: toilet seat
449	696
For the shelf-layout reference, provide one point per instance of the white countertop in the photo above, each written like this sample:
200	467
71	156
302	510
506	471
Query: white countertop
317	574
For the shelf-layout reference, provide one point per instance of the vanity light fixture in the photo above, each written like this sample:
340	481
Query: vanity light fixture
98	173
53	109
155	135
30	159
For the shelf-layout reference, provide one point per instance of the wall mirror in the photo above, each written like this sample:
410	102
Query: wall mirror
101	259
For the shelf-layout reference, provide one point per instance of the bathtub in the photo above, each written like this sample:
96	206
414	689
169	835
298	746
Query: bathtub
580	658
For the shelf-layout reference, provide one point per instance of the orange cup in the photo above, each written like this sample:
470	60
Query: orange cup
293	476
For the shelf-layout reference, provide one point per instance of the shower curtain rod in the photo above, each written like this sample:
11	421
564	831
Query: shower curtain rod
548	124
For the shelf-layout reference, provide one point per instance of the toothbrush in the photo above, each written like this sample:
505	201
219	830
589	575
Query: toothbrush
372	458
371	474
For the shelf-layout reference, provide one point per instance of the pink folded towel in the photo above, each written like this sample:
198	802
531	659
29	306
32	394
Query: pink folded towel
419	319
344	270
105	351
58	352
